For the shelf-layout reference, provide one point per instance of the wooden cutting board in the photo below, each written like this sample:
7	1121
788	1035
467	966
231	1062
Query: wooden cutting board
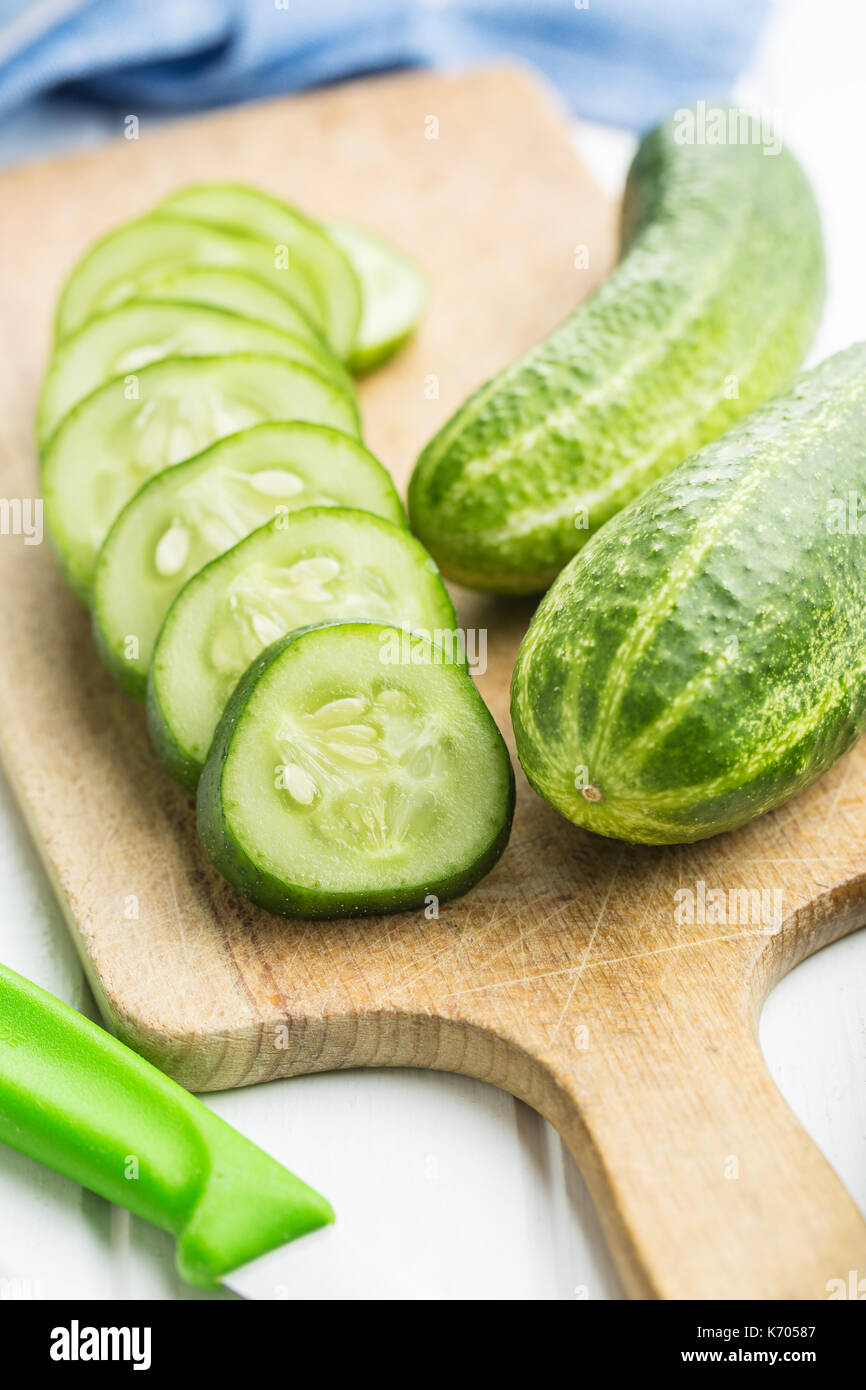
616	989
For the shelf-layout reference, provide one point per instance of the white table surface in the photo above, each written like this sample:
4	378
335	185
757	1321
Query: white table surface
465	1192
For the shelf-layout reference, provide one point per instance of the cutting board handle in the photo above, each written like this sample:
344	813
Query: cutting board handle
706	1184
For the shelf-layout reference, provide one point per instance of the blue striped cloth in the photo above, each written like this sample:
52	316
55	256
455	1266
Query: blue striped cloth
623	61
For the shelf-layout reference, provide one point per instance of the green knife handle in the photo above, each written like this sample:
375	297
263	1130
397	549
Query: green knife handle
76	1099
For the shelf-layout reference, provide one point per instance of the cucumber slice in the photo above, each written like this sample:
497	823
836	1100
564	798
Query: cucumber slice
319	564
189	514
340	785
137	333
240	290
133	427
324	263
394	294
142	253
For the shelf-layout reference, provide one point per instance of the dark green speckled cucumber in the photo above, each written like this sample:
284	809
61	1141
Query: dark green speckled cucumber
709	312
703	659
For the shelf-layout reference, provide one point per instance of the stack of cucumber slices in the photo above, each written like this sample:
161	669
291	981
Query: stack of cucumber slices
247	560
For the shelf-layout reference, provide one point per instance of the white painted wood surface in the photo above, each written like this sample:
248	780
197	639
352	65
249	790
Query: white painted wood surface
468	1193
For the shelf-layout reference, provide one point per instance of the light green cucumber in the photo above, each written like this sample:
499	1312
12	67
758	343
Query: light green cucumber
341	784
132	427
703	659
242	291
303	242
132	258
393	293
320	564
122	340
189	514
709	312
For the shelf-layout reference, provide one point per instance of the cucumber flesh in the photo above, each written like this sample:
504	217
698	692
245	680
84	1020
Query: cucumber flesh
140	254
393	294
131	428
321	564
323	262
122	340
338	785
189	514
240	290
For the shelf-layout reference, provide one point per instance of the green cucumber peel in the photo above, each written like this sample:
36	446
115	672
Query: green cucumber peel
321	261
420	818
121	341
189	514
134	257
703	659
131	428
394	295
319	564
709	313
243	291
